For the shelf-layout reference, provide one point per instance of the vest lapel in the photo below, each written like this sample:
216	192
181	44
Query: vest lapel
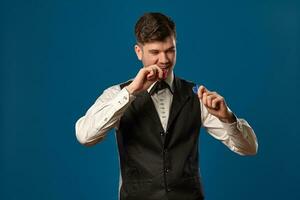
144	103
180	97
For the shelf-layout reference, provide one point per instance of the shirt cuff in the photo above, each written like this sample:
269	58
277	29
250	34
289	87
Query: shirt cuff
233	128
123	99
131	97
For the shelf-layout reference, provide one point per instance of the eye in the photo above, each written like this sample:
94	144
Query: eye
171	51
154	52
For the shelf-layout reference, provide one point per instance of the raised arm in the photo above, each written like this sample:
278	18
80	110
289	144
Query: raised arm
106	112
223	125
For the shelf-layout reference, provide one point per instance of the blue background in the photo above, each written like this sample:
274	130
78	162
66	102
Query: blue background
57	56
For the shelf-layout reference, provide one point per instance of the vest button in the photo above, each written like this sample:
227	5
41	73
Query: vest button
162	133
167	170
169	190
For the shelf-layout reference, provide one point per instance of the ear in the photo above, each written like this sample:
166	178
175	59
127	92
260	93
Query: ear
138	51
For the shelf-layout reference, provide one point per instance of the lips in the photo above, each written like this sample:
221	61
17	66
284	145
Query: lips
165	70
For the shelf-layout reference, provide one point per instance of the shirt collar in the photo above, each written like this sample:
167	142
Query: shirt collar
169	80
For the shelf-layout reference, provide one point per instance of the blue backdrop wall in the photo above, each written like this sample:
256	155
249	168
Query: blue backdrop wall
56	58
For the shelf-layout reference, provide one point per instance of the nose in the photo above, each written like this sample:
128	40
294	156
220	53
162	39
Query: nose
163	59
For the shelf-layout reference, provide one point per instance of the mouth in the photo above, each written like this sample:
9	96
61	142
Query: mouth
165	72
165	67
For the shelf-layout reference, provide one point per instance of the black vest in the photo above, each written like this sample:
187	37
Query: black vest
157	164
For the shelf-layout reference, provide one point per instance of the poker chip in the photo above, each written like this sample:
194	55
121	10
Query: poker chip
195	89
165	73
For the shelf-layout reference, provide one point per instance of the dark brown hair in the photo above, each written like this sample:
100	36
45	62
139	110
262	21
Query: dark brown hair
154	27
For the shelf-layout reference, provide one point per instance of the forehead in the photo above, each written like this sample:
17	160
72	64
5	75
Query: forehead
161	45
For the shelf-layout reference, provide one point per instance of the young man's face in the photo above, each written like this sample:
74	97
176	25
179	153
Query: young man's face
161	53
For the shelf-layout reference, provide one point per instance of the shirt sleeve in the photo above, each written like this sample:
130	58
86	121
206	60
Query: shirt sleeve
237	136
103	115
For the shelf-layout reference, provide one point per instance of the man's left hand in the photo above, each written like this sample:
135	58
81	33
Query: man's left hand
215	105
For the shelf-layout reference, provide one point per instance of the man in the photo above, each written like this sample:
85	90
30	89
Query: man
157	118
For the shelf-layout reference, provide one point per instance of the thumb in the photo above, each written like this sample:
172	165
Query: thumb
202	89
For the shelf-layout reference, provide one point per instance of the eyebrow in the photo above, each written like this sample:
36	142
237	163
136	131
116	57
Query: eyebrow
156	50
172	47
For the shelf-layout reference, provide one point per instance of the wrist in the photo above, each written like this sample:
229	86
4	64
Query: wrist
230	118
131	90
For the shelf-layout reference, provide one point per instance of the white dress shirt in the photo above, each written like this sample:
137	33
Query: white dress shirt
106	112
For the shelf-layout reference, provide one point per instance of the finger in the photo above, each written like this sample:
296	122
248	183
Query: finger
219	101
150	73
201	90
155	69
152	70
204	98
211	93
216	102
151	77
209	99
160	72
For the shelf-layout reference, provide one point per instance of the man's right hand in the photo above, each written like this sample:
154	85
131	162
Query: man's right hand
145	77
